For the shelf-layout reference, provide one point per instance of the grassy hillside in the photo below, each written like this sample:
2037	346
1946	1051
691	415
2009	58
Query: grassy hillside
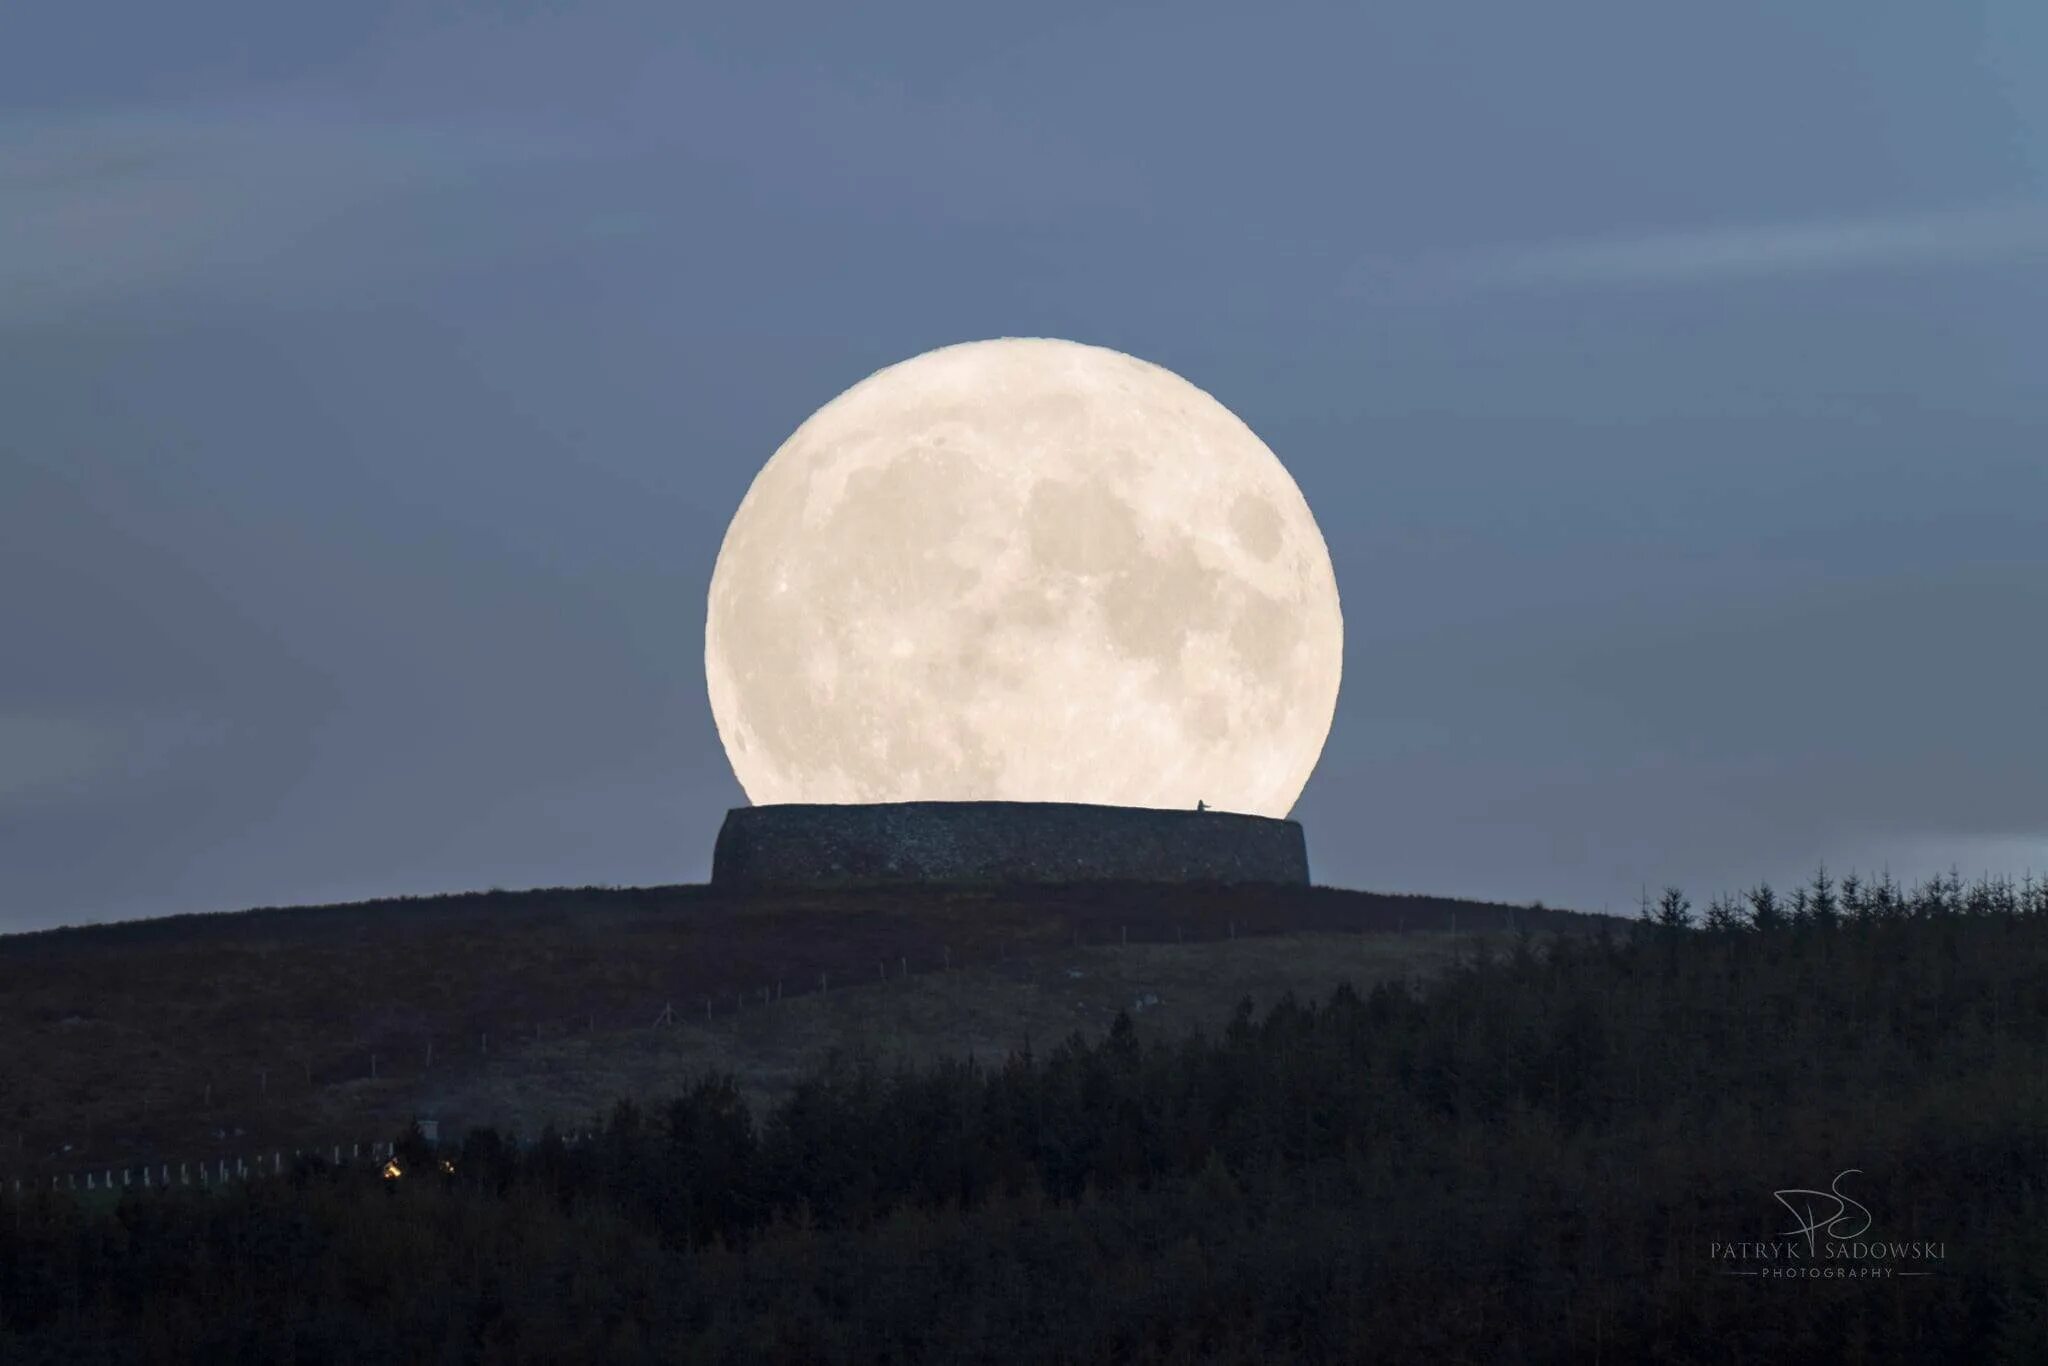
194	1035
985	1012
1615	1147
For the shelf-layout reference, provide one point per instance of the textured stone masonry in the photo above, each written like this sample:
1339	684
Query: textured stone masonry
1000	842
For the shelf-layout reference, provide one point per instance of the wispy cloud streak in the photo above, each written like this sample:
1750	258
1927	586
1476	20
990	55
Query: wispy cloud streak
1953	237
108	204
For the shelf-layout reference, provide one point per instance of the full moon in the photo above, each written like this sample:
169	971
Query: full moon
1024	570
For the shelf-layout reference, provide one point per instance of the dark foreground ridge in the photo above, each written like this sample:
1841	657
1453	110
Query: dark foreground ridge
989	843
1562	1149
143	1041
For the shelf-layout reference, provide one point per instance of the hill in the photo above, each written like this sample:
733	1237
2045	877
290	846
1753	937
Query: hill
1804	1135
192	1036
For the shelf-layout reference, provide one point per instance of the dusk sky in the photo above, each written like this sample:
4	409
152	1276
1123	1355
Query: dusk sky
377	382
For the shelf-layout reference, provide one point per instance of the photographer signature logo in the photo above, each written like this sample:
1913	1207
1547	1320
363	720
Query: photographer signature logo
1829	1240
1830	1223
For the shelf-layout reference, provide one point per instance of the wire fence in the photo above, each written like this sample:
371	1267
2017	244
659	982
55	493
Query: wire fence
215	1172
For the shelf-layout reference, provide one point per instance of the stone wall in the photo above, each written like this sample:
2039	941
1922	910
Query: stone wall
1001	842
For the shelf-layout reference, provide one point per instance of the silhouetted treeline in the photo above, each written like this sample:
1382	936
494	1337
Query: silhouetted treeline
1531	1160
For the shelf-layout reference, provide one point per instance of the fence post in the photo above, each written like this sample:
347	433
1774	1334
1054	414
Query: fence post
906	965
821	981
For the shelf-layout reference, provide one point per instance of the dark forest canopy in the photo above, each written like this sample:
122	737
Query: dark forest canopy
1533	1159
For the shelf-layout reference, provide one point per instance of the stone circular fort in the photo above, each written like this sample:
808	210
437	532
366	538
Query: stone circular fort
995	843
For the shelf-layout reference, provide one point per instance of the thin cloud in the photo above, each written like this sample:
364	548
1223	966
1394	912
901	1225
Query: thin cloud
52	758
44	755
1952	237
110	204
